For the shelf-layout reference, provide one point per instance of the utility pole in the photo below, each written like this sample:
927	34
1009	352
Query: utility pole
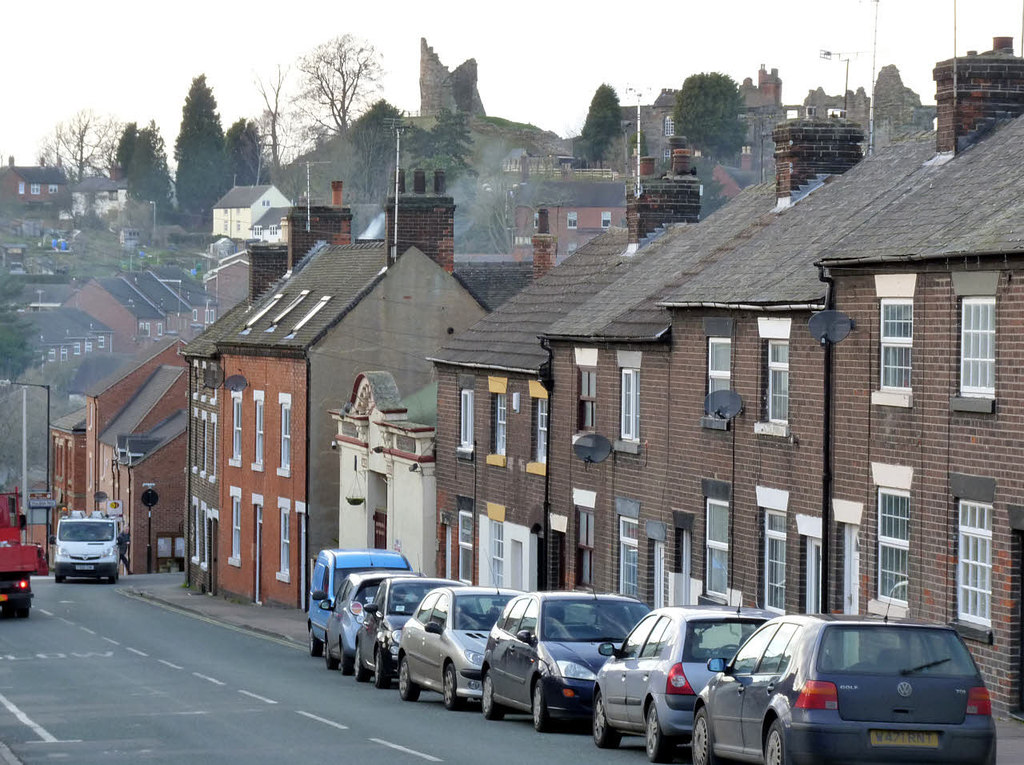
396	125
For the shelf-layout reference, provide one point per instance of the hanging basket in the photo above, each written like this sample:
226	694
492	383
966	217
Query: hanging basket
355	500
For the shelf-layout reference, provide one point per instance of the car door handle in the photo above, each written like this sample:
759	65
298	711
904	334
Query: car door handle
645	678
770	687
740	688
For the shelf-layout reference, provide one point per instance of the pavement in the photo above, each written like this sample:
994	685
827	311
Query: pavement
289	625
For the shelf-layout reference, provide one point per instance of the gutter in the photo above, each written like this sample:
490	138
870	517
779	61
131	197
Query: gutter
747	306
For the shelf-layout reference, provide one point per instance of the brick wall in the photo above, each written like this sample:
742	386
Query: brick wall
665	200
810	147
98	303
267	264
425	220
326	224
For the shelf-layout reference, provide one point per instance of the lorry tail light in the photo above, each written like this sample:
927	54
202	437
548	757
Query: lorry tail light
23	585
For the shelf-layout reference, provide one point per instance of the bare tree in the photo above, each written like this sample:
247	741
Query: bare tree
275	122
338	77
84	144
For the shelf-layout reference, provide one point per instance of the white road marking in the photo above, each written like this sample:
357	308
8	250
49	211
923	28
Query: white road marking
172	666
413	752
137	651
66	621
86	629
258	698
23	718
213	680
333	724
111	640
44	611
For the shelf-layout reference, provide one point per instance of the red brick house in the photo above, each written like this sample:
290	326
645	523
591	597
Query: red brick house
578	211
68	461
43	189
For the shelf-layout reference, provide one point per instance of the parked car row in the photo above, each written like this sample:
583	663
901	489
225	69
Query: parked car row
730	681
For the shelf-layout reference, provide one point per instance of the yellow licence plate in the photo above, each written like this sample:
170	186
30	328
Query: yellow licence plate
3	598
924	739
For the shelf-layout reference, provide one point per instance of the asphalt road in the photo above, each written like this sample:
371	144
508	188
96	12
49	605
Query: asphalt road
95	676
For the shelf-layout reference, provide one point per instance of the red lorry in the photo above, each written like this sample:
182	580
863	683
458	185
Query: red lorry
18	560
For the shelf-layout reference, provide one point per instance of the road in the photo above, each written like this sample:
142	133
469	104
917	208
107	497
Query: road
95	676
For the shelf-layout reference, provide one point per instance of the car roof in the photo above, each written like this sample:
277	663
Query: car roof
715	612
869	620
358	577
481	590
437	582
580	595
365	557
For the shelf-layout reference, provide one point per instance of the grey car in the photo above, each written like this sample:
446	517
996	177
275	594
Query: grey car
443	644
649	684
345	616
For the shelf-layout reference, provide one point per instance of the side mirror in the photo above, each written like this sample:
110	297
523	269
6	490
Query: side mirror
371	608
317	595
716	665
607	649
326	605
53	539
433	628
526	636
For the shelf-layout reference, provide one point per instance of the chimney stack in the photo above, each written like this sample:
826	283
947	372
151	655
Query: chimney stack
336	187
425	221
267	264
543	246
327	223
808	148
674	198
989	88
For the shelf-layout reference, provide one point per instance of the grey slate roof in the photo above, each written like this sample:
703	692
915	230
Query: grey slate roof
98	183
45	293
241	196
163	290
272	217
136	447
140	404
131	298
137	361
204	345
64	324
494	283
35	174
71	421
508	338
603	194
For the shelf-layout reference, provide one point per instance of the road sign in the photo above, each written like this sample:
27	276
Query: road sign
114	508
150	497
40	504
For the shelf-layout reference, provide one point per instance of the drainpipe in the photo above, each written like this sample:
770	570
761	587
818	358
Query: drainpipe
826	449
304	544
547	378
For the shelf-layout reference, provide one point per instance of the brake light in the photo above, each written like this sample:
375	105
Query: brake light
677	684
23	585
818	694
979	702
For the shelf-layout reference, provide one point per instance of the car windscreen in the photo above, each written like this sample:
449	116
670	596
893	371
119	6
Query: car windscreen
479	611
893	649
407	595
589	619
719	638
86	532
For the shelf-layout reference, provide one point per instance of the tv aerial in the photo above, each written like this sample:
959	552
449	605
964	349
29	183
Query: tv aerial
592	448
236	383
724	404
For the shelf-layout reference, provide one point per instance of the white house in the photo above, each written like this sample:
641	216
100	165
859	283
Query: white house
236	211
106	197
271	225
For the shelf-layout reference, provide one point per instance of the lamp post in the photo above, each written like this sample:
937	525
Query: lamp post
152	235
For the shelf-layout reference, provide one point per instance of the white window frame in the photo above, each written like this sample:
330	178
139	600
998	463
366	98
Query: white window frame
35	189
497	553
466	435
236	429
285	401
206	441
629	556
213	462
541	454
606	219
719	379
630	405
812	601
775	561
974	569
500	423
465	546
571	220
778	372
895	344
195	529
88	346
236	526
101	341
977	348
661	576
669	126
284	572
21	188
716	548
258	429
893	545
52	188
77	348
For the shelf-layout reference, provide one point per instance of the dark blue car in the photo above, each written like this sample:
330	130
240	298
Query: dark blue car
542	655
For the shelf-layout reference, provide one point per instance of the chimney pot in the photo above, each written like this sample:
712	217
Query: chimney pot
1002	45
439	182
646	166
419	181
336	187
543	226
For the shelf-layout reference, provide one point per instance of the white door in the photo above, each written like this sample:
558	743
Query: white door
517	564
851	569
660	576
681	588
813	604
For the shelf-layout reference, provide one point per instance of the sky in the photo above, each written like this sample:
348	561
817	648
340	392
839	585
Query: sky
537	62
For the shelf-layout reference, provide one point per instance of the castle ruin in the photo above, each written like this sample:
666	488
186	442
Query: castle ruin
443	89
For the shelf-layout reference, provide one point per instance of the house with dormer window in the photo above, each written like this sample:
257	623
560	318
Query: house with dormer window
242	206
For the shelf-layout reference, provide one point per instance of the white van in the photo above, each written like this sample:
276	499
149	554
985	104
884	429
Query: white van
86	547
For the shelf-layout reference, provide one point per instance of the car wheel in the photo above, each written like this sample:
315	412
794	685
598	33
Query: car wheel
362	673
702	742
380	678
452	700
407	689
329	661
21	613
605	737
348	664
541	717
659	746
492	709
58	579
112	579
775	745
316	645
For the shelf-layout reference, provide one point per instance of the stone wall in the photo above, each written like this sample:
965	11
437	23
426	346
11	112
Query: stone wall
441	88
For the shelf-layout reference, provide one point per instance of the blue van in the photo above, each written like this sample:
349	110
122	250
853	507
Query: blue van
332	566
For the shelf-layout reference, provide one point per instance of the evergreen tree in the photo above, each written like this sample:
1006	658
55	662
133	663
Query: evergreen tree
126	145
199	151
708	112
243	149
15	353
603	124
146	171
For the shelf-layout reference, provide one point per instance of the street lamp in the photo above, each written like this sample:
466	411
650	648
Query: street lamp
152	236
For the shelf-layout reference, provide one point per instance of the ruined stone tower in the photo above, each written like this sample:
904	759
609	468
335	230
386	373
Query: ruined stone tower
443	89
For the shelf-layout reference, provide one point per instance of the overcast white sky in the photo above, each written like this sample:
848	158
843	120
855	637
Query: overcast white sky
537	62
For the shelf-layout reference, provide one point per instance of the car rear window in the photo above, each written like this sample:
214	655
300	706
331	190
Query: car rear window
893	649
365	593
590	620
406	596
716	639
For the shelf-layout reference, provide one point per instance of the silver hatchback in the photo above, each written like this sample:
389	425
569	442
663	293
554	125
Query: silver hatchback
650	683
443	645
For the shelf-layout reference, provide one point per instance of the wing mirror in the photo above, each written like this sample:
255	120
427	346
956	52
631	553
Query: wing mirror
608	649
716	665
371	608
326	605
317	595
433	628
526	636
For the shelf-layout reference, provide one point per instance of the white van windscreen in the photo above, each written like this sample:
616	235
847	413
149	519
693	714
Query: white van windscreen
85	532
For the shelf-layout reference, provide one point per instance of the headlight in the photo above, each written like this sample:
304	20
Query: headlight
396	636
574	670
109	552
62	552
474	658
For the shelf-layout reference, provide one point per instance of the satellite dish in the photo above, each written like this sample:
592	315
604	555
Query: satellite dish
723	403
830	326
236	383
100	496
592	447
213	377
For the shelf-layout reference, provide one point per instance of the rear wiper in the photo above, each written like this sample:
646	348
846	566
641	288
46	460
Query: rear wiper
918	668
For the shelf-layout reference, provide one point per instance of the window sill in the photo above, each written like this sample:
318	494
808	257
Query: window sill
537	468
903	400
195	559
709	599
202	474
883	608
195	468
235	462
773	429
236	562
204	566
283	576
626	446
972	404
971	631
211	478
285	472
257	466
464	453
498	460
709	422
